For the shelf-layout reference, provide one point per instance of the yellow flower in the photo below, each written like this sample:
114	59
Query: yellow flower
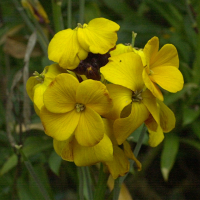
36	10
132	104
73	108
120	165
71	150
69	47
161	68
37	84
167	123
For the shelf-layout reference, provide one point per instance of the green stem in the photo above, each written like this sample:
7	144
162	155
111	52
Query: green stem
69	14
119	181
57	15
81	11
85	185
33	174
101	185
81	183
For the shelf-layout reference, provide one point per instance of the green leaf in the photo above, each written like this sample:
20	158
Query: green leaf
189	115
168	156
32	146
23	190
55	162
9	164
193	143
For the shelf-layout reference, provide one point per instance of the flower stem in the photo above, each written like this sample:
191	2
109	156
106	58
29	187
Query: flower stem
101	185
57	15
119	181
85	186
69	14
81	11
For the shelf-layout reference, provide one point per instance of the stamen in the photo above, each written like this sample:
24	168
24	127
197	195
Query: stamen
79	107
137	96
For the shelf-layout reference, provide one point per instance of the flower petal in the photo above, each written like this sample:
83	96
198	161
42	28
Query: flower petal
99	36
59	126
39	90
121	97
58	50
90	129
125	70
151	49
30	84
64	149
60	96
167	56
167	118
94	94
168	77
155	137
123	127
129	153
120	164
102	152
121	48
152	86
150	102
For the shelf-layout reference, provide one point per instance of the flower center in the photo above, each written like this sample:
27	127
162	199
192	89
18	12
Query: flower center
137	96
39	77
79	107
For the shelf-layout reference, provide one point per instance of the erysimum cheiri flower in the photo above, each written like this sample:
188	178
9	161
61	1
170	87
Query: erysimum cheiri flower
37	84
115	158
69	47
132	103
161	67
73	108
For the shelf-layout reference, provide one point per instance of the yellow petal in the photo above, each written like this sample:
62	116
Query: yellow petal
120	164
152	86
108	125
125	70
102	152
121	97
129	153
151	123
59	126
168	77
60	96
51	71
155	137
39	90
151	49
65	49
121	48
167	118
123	127
167	56
30	84
94	94
90	129
99	36
64	149
150	102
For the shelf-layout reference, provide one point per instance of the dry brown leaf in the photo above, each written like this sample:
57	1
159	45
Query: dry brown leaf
16	47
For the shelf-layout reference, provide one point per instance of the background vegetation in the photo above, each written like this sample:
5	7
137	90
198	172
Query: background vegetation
170	171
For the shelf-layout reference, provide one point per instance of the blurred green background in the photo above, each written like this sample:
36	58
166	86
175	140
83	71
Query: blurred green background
170	171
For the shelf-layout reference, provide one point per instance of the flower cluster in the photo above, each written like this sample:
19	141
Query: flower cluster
99	93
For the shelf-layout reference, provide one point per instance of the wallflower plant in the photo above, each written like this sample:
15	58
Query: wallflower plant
98	93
